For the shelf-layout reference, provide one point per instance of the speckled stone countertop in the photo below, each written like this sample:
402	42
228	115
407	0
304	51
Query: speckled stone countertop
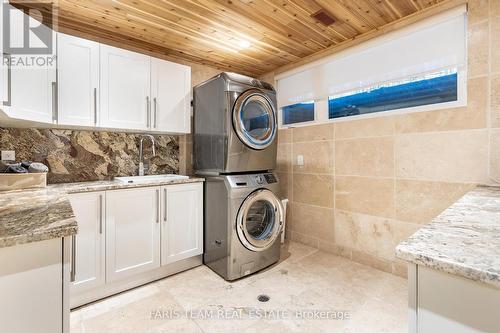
116	185
34	215
463	240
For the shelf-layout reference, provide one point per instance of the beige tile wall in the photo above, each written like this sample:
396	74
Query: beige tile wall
368	184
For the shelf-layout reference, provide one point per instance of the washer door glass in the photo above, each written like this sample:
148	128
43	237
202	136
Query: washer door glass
260	220
254	118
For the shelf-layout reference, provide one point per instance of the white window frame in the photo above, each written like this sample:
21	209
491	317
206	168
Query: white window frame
317	105
321	107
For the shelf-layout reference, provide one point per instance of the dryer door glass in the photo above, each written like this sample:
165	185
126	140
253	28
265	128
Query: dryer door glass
259	220
254	118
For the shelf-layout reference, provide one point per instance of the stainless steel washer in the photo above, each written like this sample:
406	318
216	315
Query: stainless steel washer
235	125
243	221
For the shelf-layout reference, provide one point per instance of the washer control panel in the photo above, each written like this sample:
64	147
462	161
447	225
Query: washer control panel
239	181
253	180
259	179
270	178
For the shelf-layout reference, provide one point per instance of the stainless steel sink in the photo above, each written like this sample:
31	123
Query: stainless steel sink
150	178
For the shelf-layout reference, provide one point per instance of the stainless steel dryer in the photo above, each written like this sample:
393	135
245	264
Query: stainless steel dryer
243	219
235	125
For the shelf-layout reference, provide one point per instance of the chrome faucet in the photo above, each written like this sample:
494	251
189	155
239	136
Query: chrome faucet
141	151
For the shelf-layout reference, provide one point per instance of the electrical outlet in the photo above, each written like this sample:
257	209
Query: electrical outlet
300	160
8	155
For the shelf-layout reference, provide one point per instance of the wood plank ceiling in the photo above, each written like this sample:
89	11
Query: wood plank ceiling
214	32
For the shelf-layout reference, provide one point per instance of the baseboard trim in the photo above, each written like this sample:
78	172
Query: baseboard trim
112	288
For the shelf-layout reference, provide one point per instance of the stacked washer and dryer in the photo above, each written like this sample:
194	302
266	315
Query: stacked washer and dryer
235	143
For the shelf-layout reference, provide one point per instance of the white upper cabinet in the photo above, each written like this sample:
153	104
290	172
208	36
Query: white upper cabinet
132	232
31	83
90	240
3	72
92	85
182	222
78	80
33	94
125	89
171	93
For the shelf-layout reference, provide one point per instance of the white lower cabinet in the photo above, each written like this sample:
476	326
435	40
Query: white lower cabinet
132	231
33	297
182	222
128	237
90	240
442	302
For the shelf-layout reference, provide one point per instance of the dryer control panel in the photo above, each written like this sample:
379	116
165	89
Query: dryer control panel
252	180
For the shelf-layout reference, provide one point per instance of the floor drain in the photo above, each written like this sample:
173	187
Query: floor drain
263	298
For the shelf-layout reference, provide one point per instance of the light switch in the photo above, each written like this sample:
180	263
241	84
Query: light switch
300	160
8	155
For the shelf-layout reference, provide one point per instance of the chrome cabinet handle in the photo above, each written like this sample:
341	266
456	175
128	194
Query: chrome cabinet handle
157	206
100	214
73	259
148	114
95	106
8	101
165	205
54	102
155	112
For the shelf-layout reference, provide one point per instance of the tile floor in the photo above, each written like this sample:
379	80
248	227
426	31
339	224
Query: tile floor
306	282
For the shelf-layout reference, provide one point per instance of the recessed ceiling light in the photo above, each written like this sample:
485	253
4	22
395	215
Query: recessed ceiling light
244	44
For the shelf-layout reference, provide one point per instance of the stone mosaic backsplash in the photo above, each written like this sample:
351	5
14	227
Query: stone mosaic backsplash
75	156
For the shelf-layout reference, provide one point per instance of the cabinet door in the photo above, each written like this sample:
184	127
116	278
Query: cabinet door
125	89
3	70
90	240
32	87
78	80
450	303
171	91
31	282
182	222
132	231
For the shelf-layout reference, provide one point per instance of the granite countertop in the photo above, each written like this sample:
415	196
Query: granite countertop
34	215
463	240
116	185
